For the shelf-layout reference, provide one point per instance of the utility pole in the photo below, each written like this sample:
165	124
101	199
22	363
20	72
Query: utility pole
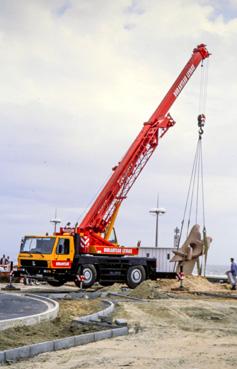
55	221
176	237
157	211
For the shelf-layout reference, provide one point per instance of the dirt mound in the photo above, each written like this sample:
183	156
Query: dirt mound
155	289
116	287
201	284
145	290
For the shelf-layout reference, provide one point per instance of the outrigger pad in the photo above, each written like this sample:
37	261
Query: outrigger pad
192	248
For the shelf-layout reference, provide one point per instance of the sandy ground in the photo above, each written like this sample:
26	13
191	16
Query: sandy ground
170	329
182	333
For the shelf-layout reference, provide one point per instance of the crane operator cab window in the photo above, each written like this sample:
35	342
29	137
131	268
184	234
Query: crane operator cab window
37	245
63	247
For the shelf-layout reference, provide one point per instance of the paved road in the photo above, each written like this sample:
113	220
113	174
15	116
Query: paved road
13	306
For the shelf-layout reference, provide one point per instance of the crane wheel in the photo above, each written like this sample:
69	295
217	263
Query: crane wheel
135	276
90	274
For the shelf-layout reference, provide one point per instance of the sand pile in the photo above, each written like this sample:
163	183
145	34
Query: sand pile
145	290
201	284
157	289
116	287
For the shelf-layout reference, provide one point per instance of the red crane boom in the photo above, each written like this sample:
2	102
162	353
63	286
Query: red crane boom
127	171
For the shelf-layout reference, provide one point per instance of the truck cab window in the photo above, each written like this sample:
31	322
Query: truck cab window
63	247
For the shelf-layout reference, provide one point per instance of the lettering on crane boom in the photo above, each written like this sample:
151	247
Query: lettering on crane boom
184	81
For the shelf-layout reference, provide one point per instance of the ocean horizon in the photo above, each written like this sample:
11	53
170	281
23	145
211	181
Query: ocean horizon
217	269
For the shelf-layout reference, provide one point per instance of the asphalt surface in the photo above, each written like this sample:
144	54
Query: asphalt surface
14	306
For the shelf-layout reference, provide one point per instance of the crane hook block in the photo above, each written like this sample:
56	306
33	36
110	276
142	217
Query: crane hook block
201	123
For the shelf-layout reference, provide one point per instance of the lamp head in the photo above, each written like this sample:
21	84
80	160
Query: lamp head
158	211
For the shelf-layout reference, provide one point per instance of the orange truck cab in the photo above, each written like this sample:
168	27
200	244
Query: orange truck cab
47	256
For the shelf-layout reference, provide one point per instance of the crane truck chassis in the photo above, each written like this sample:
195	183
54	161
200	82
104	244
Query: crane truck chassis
84	253
58	259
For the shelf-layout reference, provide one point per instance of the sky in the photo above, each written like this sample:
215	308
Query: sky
78	79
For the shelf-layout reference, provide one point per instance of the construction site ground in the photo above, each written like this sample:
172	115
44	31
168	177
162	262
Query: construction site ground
50	330
191	329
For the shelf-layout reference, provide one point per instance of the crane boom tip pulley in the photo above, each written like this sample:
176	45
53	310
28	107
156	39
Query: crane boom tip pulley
201	48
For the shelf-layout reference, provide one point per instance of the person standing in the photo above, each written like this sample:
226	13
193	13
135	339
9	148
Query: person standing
233	272
3	260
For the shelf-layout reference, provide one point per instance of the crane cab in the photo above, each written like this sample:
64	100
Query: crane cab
47	256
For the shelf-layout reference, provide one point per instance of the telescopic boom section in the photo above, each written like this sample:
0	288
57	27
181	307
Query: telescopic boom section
127	171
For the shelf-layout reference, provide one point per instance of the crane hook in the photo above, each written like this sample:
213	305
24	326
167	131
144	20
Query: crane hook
201	122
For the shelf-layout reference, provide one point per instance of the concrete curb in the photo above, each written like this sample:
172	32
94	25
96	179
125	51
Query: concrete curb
97	315
29	351
25	352
51	313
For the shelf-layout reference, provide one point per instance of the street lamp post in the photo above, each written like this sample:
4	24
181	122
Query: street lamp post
157	211
176	237
55	221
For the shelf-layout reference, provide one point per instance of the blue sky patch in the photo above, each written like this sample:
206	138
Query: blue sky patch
226	8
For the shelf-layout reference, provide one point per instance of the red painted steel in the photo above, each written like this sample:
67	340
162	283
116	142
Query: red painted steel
61	264
129	168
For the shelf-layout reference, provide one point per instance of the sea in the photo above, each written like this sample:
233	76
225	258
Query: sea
217	270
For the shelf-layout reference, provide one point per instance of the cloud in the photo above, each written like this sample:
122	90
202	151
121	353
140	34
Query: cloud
78	80
226	10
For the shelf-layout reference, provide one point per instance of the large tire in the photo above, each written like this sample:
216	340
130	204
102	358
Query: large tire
90	274
135	275
56	283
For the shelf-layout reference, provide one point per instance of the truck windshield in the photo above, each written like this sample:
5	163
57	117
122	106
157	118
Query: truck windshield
37	245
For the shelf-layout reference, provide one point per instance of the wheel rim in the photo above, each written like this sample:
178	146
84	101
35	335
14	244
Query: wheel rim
136	275
88	275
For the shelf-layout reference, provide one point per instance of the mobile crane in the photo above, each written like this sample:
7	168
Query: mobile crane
84	252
